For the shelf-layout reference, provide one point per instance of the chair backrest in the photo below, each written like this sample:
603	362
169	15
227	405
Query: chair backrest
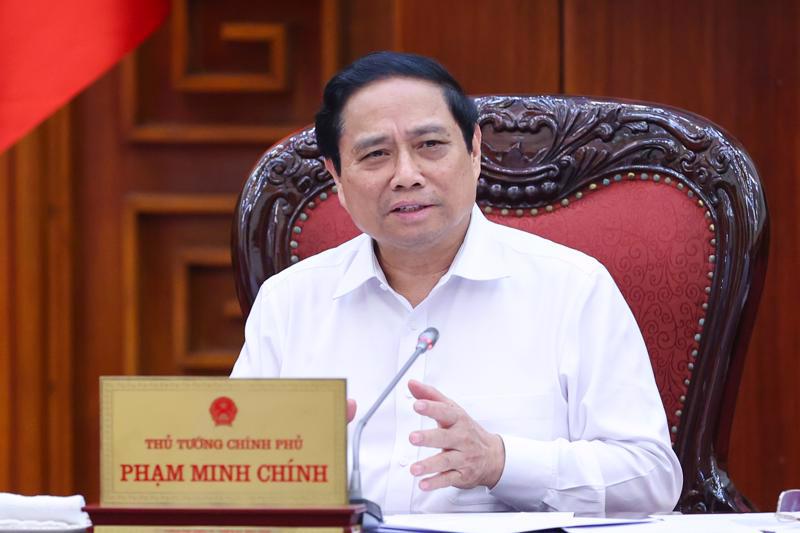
669	203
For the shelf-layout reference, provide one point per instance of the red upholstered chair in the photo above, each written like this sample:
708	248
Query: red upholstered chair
669	203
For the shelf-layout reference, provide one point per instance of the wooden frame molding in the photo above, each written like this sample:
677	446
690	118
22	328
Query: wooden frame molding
169	132
274	35
185	259
137	205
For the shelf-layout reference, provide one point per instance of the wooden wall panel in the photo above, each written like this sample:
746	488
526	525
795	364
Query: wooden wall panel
737	63
36	321
7	397
503	46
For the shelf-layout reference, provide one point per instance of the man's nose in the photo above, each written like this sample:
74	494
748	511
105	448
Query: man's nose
407	173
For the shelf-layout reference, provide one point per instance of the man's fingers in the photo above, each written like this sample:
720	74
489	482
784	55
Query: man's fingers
351	410
422	391
433	438
441	438
439	481
445	414
441	462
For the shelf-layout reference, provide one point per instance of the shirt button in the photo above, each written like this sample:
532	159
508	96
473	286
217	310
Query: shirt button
384	287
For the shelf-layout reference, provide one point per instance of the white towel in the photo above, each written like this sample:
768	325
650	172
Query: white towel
57	510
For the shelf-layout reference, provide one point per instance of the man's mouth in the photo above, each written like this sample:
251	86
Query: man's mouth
408	208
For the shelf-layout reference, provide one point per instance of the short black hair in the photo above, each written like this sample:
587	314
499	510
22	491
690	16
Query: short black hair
379	66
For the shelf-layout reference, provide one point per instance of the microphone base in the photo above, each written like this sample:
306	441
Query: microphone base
373	516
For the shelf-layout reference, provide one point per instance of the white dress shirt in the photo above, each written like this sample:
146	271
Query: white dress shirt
536	344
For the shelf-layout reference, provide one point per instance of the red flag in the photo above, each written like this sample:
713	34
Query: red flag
51	49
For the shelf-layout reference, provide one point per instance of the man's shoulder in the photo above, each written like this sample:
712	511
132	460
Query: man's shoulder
326	265
528	247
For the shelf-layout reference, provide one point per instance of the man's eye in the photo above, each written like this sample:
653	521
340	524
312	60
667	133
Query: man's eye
375	154
431	144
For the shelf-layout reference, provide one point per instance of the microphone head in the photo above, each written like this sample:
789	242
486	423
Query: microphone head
427	339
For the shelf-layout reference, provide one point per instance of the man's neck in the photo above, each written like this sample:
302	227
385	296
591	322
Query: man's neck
413	274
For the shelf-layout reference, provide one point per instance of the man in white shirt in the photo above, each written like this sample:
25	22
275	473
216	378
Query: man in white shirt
539	394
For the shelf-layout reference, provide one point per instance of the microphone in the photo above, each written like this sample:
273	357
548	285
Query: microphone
374	516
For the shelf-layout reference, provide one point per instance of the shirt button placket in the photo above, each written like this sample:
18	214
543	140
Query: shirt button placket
401	483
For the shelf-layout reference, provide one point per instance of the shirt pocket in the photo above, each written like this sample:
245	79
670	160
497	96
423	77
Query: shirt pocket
521	415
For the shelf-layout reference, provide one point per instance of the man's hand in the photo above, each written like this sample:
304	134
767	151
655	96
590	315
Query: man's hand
470	456
351	410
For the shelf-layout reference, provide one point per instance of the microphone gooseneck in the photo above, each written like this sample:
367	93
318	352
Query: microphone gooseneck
425	342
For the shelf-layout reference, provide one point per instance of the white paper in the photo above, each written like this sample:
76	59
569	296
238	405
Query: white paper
711	523
476	522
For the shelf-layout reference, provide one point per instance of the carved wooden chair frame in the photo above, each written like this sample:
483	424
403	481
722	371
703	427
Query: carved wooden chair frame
586	140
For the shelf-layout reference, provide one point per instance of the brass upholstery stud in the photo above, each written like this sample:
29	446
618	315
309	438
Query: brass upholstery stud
519	212
294	259
592	186
606	182
303	216
565	202
487	209
578	195
644	176
694	353
504	212
534	211
667	180
674	429
690	366
705	306
678	412
682	399
710	275
700	203
631	175
711	258
297	229
711	227
311	205
618	177
708	290
656	177
681	186
323	196
335	189
702	322
549	208
697	337
713	242
293	244
687	381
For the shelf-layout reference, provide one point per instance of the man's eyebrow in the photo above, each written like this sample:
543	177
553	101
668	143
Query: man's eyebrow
425	129
368	142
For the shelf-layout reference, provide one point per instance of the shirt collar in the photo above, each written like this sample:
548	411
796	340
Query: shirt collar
480	258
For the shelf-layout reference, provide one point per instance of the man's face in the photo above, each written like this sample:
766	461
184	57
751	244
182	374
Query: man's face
406	179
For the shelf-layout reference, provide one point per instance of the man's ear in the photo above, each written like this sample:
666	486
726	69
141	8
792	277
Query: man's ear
476	150
329	166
